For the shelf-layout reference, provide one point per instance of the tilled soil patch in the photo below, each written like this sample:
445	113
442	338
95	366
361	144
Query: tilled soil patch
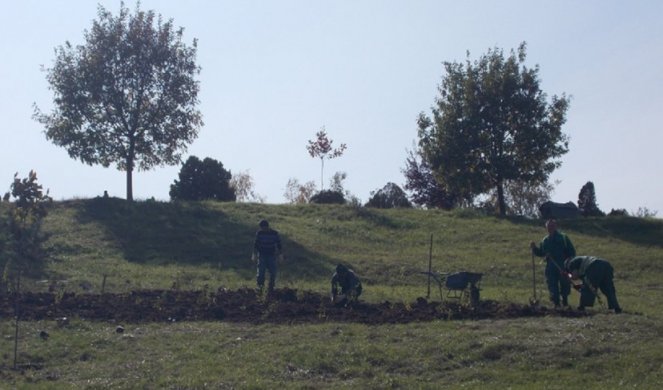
244	305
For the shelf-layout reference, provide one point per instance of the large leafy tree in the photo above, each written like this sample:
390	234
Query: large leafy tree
200	180
492	124
127	96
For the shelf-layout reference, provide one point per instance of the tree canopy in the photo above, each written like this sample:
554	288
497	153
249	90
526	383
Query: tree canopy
201	180
492	124
421	183
127	96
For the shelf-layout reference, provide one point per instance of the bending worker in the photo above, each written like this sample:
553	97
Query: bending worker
350	286
555	247
595	274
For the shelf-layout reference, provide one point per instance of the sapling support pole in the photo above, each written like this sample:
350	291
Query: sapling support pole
534	299
17	313
430	264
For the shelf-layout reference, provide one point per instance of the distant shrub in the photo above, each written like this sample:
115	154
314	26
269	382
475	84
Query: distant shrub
618	213
328	197
21	238
297	193
201	180
389	197
644	212
587	201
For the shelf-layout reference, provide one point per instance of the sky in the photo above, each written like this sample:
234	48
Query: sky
273	73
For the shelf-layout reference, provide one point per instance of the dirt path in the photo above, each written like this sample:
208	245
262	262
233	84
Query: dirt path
284	306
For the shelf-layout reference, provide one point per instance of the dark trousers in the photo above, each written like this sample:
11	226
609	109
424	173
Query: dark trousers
558	285
600	277
266	263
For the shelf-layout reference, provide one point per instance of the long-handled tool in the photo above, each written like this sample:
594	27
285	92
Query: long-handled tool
533	300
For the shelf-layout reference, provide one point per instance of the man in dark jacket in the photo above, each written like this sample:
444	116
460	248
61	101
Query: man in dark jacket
556	247
350	286
595	274
267	246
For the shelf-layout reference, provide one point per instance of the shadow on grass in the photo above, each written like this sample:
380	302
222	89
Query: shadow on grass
189	233
639	231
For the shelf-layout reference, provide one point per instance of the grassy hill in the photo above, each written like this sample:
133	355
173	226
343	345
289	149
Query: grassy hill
112	245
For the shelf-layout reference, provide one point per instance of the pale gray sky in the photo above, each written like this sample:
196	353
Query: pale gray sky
275	72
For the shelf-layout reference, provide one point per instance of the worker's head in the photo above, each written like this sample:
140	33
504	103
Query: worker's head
551	225
341	269
264	224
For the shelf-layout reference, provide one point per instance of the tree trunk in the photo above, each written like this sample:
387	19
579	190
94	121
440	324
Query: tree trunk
130	170
322	169
501	204
130	190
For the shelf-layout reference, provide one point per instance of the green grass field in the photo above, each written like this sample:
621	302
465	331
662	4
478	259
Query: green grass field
115	246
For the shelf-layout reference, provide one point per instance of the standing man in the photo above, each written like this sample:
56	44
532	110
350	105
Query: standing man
595	274
267	246
556	247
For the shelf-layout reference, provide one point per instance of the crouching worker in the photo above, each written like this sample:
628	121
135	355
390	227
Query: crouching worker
595	274
350	286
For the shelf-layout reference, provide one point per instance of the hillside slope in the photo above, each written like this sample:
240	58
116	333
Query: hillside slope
118	246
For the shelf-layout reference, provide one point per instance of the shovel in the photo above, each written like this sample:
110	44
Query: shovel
533	300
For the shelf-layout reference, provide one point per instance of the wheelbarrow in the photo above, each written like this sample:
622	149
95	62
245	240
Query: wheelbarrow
460	285
464	285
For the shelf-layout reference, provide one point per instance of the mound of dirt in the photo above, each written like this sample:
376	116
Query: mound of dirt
244	305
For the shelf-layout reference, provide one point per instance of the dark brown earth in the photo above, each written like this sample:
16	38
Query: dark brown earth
244	305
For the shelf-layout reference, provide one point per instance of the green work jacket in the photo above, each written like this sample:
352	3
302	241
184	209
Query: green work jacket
557	247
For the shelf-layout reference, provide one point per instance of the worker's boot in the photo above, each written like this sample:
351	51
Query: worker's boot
565	301
555	302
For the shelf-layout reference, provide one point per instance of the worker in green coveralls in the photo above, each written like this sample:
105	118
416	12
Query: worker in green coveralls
596	274
556	247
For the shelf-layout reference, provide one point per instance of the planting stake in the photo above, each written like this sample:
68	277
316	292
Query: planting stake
534	279
430	264
16	296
